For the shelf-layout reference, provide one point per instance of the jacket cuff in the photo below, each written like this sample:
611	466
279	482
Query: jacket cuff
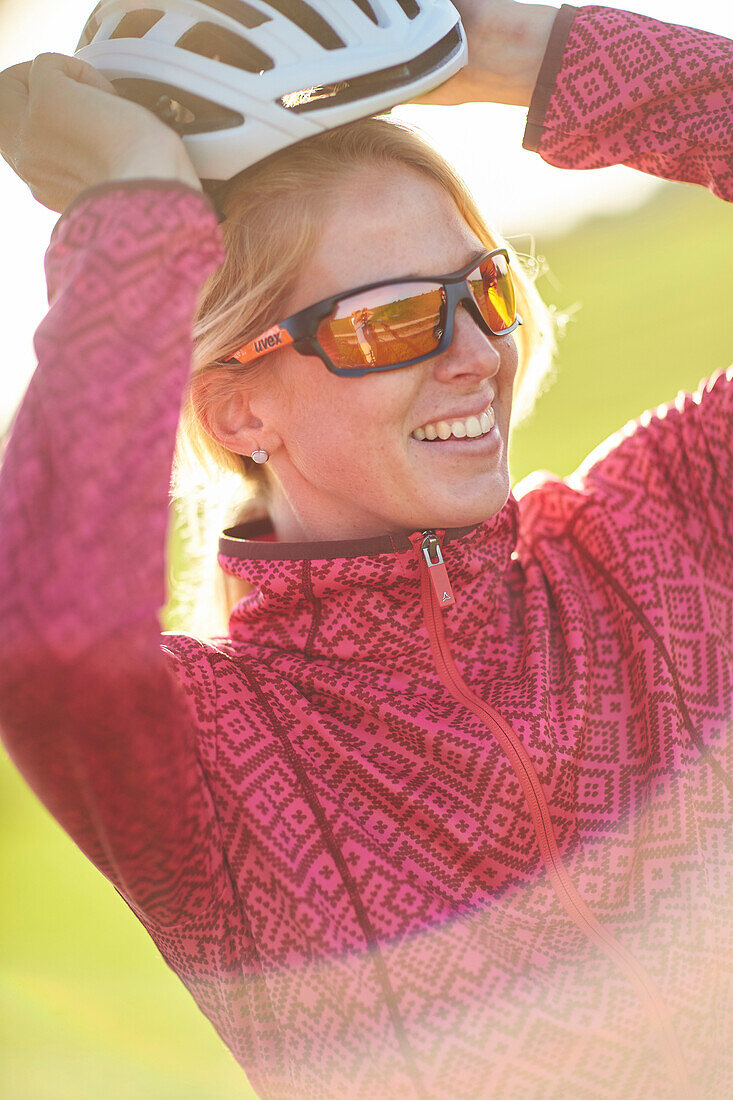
141	184
547	77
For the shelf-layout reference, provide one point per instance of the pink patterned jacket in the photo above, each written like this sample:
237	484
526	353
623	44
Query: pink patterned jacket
395	850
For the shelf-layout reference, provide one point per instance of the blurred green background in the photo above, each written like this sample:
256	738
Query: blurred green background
87	1005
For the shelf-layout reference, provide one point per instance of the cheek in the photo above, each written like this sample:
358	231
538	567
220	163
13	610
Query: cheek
508	374
339	435
334	427
311	412
510	357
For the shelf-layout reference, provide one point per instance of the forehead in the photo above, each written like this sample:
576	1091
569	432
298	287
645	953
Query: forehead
384	223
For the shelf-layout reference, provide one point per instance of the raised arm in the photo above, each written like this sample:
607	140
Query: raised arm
619	88
603	87
103	723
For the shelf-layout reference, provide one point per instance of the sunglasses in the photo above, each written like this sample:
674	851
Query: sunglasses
384	326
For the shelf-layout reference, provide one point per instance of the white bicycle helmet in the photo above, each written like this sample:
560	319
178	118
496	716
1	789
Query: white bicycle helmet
240	79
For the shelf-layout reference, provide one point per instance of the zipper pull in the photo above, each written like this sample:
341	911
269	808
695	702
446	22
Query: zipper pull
436	569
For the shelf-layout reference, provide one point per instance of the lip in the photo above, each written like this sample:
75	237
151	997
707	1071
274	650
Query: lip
487	402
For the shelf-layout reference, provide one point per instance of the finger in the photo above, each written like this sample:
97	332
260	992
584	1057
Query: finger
87	74
54	94
73	68
13	97
17	74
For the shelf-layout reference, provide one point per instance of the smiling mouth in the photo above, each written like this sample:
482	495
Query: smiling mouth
472	427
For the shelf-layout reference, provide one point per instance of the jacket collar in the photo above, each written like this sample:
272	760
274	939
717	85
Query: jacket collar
358	598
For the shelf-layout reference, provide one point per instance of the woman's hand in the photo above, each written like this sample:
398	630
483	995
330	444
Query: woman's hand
64	128
506	44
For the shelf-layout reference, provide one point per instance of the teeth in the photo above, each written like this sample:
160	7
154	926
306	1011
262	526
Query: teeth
472	427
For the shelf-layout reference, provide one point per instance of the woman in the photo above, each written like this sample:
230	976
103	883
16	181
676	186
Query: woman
446	813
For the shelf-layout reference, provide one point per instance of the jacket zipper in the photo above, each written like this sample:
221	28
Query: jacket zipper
433	555
435	586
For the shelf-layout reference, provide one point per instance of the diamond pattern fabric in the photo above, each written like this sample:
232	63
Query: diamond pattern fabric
620	88
391	851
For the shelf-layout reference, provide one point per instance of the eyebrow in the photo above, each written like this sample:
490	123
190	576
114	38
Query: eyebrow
481	250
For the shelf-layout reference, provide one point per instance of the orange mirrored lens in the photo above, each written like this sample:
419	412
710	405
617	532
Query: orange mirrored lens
384	326
393	324
493	290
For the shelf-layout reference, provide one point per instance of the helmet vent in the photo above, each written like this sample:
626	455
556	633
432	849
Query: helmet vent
310	21
237	9
361	87
181	110
136	24
209	40
368	10
411	8
91	27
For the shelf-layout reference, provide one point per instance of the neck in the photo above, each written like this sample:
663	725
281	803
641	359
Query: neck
309	522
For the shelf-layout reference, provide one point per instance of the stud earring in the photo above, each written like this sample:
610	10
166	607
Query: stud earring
260	456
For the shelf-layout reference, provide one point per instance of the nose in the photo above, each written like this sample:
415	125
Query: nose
471	353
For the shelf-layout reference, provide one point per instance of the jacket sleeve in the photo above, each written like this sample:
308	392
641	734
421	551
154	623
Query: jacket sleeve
97	715
672	470
620	88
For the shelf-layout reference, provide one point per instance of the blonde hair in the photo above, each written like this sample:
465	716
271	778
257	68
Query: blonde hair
275	212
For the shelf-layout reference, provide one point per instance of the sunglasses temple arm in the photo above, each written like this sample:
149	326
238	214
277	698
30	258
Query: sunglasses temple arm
274	338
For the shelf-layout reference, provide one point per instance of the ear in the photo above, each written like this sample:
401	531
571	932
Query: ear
226	414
